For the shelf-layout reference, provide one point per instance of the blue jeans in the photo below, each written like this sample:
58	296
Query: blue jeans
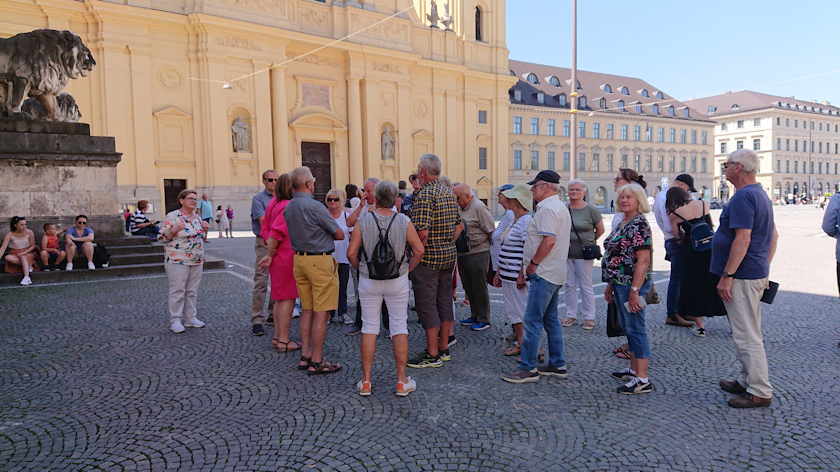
674	253
633	323
541	312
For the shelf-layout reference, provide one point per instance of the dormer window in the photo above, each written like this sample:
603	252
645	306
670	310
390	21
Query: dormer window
554	81
621	105
541	97
517	95
561	99
645	93
735	106
655	109
638	108
607	88
671	110
513	74
581	102
603	103
713	108
659	95
624	91
685	113
532	79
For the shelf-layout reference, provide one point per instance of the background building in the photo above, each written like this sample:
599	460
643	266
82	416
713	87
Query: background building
622	122
798	142
318	83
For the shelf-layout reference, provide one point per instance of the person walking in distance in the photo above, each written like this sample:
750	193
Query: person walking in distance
742	250
544	258
435	216
311	236
474	264
261	274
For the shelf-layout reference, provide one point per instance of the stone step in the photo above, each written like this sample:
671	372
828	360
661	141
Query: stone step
81	273
116	259
124	241
122	250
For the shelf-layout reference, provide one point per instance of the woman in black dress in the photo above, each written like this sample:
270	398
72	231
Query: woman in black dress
698	286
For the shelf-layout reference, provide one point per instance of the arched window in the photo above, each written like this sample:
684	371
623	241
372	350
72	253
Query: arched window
479	36
562	99
655	109
712	109
513	74
607	88
554	81
603	104
671	110
645	93
659	95
624	91
532	79
735	106
621	105
601	198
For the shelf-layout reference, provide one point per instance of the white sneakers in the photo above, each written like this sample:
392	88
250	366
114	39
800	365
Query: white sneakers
91	266
178	327
26	281
69	266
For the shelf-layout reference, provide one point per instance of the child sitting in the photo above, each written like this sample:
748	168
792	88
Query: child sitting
51	253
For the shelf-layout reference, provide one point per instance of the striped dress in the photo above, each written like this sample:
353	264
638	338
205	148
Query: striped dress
513	244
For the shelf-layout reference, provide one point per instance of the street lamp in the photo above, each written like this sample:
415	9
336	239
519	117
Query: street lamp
574	95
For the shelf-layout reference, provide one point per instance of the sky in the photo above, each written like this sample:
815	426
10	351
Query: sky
690	48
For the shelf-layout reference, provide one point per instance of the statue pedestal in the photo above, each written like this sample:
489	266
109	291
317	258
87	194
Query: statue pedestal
52	171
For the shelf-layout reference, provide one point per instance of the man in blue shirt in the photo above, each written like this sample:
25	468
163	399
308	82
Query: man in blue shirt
205	209
258	205
742	250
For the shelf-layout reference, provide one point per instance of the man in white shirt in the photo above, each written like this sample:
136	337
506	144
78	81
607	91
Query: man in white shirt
672	251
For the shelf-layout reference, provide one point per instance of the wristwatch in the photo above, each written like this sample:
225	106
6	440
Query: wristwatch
635	289
727	275
534	264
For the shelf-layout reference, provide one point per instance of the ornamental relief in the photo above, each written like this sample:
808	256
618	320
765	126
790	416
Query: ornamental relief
420	108
315	95
239	43
313	18
298	56
387	28
170	79
385	67
269	6
386	103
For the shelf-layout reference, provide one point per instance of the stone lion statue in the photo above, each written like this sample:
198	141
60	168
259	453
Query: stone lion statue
39	64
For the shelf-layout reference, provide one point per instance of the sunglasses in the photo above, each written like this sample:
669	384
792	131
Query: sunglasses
81	222
333	199
271	180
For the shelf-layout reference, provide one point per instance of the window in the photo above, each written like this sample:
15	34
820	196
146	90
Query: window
550	160
582	129
671	110
659	95
596	162
740	124
535	126
567	127
693	164
795	145
541	97
723	126
482	117
581	161
672	164
682	164
648	163
478	32
517	160
624	132
778	144
739	145
686	113
778	121
561	99
648	134
787	144
787	167
624	91
609	131
812	146
554	81
535	160
621	105
820	126
566	163
660	165
757	122
482	158
609	162
735	106
637	162
638	108
756	145
582	102
795	167
636	132
820	147
517	95
711	109
812	126
703	165
517	125
778	165
787	122
603	103
682	136
703	138
655	109
623	161
723	148
672	135
820	167
796	123
550	128
532	79
596	130
607	88
694	136
661	135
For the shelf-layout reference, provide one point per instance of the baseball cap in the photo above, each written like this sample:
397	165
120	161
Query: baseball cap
547	176
688	180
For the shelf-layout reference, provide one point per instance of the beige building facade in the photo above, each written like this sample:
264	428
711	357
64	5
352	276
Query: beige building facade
797	141
208	94
622	122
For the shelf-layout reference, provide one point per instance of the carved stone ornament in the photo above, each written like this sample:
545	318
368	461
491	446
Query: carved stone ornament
432	16
315	95
237	42
269	6
39	64
170	79
446	19
312	18
385	67
388	29
420	108
386	103
311	59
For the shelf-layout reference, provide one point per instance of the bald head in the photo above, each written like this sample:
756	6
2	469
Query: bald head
463	194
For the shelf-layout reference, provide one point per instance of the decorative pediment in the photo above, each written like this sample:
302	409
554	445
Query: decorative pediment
422	134
172	112
318	121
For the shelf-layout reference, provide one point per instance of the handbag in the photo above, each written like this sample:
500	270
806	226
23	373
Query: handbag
589	252
462	244
614	328
652	297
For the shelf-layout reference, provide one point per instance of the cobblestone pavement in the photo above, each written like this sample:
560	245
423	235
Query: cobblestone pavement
91	378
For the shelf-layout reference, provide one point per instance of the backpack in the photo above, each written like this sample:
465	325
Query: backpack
382	265
701	233
100	256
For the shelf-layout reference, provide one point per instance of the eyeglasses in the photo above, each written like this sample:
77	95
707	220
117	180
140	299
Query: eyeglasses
729	163
333	199
271	180
576	190
619	179
539	184
191	199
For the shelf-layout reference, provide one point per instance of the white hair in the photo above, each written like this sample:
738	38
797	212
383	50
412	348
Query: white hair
431	163
637	191
578	181
747	158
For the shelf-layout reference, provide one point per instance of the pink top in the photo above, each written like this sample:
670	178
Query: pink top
274	224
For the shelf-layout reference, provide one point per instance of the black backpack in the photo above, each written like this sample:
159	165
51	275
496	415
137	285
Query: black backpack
701	233
100	256
383	264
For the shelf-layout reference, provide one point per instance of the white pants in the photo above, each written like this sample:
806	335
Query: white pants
745	319
395	294
183	289
579	276
515	301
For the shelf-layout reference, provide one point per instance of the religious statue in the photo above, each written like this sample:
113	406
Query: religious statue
387	144
433	16
241	136
39	64
446	19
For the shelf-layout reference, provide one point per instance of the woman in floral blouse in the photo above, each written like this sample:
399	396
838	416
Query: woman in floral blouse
183	232
626	270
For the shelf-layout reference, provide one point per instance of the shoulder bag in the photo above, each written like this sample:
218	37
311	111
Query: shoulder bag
589	252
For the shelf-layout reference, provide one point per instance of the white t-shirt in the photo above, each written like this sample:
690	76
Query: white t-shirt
341	245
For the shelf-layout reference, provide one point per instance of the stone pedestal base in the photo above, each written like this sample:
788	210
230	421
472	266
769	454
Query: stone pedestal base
51	172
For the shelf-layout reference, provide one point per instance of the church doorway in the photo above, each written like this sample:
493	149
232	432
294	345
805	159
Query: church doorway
316	156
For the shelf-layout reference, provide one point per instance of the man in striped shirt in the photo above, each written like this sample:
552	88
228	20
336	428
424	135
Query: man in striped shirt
139	223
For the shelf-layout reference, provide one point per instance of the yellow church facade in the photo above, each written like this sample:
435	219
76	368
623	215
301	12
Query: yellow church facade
208	94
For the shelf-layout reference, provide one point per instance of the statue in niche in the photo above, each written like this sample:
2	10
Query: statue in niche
446	19
241	136
433	16
387	144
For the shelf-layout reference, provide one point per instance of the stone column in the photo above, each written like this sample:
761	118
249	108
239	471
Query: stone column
371	140
261	134
356	155
283	155
141	99
406	163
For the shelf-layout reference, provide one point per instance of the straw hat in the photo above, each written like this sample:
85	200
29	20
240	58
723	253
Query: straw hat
520	193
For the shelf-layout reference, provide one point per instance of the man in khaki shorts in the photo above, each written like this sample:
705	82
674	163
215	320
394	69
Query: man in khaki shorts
316	272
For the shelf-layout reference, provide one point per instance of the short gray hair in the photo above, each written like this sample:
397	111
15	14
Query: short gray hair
555	187
747	158
300	176
385	194
578	181
637	191
372	179
431	163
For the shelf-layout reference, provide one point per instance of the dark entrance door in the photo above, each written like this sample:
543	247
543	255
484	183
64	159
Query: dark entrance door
171	189
316	156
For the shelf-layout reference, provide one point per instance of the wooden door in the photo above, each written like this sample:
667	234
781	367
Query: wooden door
316	156
171	189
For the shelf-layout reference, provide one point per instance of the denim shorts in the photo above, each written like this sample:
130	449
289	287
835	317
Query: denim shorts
633	323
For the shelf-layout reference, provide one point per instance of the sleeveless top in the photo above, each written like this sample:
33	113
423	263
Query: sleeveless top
52	242
397	237
19	242
341	245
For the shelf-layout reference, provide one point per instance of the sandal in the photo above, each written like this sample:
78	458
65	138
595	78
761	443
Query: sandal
322	368
514	351
623	347
286	344
308	361
622	353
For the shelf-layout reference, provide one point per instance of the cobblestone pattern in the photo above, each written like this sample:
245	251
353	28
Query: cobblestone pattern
92	379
